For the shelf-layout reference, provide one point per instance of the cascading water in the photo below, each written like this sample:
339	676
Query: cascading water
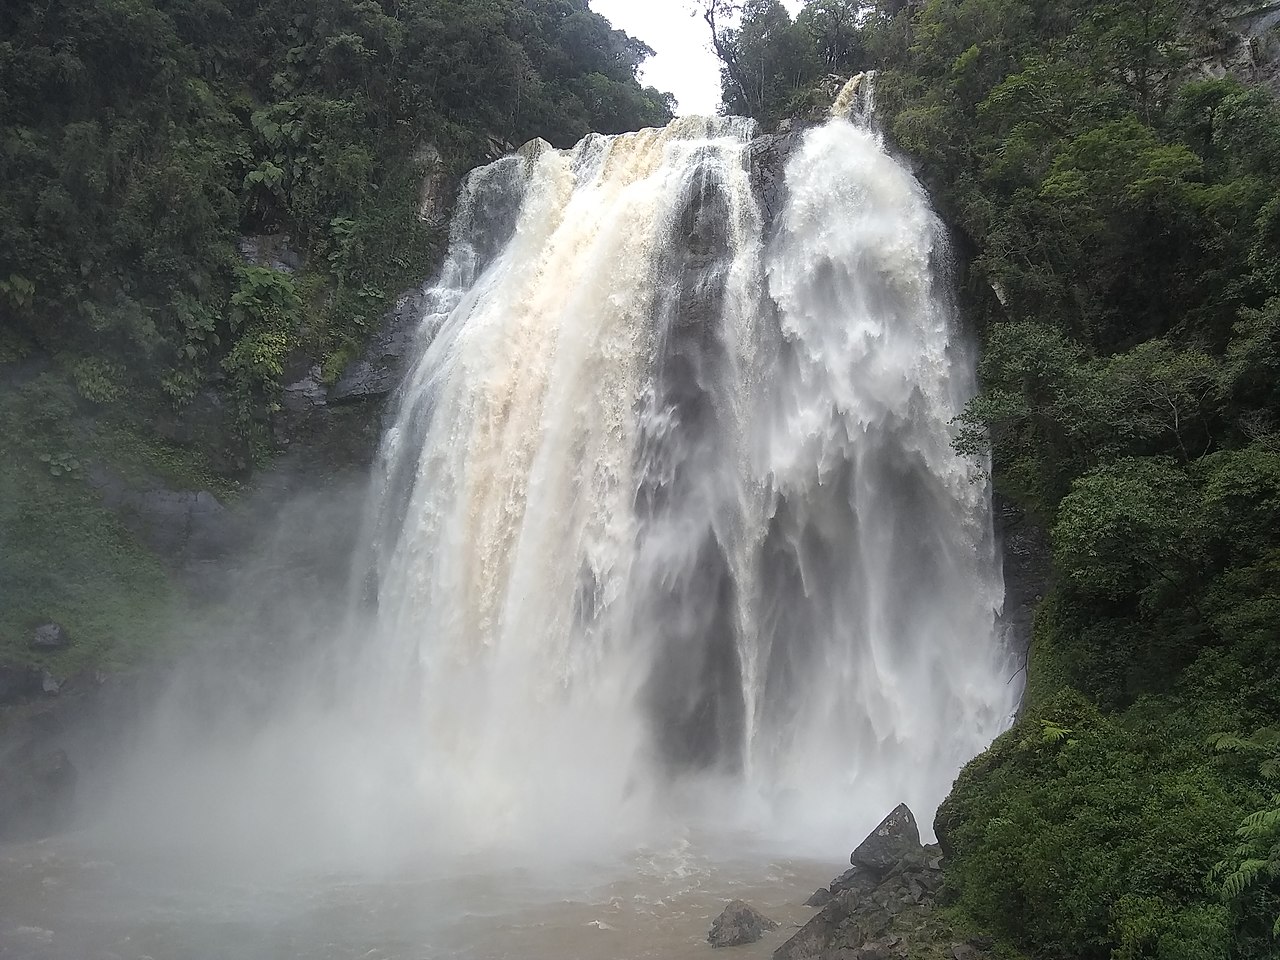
672	580
669	507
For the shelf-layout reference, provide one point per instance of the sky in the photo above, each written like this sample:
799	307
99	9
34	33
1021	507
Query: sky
685	64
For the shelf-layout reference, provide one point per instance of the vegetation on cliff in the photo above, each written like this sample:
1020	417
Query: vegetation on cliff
140	141
1120	211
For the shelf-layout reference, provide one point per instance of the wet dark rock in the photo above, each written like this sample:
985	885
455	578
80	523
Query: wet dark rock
897	836
306	394
739	924
377	371
50	636
819	898
1026	555
856	879
37	788
18	682
881	907
768	157
1247	45
437	191
175	523
274	251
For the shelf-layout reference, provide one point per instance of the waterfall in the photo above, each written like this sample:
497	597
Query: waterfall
668	506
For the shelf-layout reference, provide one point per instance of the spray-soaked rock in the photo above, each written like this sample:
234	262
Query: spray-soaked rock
37	789
819	898
738	924
50	636
896	837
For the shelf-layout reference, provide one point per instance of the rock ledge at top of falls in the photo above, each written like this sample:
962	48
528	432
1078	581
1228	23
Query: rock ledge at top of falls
738	924
885	906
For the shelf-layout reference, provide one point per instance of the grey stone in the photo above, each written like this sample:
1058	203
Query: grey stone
50	636
433	199
739	923
49	684
272	251
819	898
965	951
812	940
192	525
377	371
897	836
856	879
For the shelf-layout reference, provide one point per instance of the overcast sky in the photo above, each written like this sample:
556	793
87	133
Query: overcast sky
685	63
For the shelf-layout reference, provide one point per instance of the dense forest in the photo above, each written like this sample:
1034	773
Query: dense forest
142	142
141	138
1118	203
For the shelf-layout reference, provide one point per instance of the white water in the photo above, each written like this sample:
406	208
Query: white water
669	525
671	575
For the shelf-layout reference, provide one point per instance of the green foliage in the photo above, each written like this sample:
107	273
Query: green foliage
1121	220
1249	879
1074	835
139	139
770	63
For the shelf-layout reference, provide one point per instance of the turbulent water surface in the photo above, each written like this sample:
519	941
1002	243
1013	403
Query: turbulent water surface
670	576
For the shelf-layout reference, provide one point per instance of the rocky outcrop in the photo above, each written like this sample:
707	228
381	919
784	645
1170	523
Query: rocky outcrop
1247	35
377	371
1027	562
884	908
739	924
819	898
896	837
50	636
272	251
436	191
768	157
180	524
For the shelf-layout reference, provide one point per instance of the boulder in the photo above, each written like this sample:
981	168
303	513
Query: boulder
738	924
50	636
844	924
819	898
856	879
896	837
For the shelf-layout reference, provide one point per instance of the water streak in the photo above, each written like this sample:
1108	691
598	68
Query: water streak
669	511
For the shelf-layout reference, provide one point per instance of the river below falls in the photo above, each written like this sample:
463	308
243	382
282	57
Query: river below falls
70	899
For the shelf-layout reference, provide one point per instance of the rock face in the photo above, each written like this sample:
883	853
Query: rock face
895	838
273	251
190	525
819	898
50	636
739	924
882	908
1249	44
436	192
376	372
